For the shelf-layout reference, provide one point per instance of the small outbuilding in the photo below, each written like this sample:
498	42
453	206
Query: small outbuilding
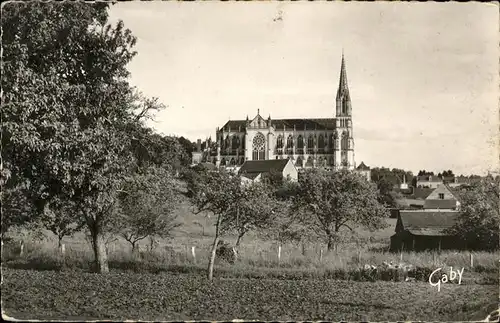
425	230
254	170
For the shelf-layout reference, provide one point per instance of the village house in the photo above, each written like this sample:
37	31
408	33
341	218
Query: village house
442	198
256	170
364	170
428	181
425	230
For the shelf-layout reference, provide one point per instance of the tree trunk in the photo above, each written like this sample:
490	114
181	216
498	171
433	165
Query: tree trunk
212	257
331	243
133	247
100	253
239	239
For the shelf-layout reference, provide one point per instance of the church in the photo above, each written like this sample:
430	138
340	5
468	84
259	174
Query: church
309	143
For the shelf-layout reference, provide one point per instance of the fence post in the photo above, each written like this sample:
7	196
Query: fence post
193	253
471	260
279	254
21	251
321	255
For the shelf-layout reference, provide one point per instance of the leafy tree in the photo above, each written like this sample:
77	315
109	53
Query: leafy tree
479	218
59	218
69	113
342	199
17	208
189	147
273	178
387	196
146	206
394	176
218	193
425	173
255	209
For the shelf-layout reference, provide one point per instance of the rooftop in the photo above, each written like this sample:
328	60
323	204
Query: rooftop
433	222
263	166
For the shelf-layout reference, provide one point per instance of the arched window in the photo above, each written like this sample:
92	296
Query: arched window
235	142
242	160
232	162
331	141
259	147
344	106
279	144
300	145
309	162
344	140
310	144
321	144
227	144
223	162
289	144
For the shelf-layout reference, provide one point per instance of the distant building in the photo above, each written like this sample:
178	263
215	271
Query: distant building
442	198
425	230
365	171
255	170
428	181
310	143
432	181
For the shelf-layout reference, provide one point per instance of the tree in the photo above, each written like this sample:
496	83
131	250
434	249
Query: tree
59	218
69	113
218	193
146	206
479	217
188	147
255	209
387	196
333	201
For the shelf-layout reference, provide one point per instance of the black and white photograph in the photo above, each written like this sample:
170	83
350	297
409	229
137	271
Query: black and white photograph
250	161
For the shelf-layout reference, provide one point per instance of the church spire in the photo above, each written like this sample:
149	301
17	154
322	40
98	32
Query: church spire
343	97
343	89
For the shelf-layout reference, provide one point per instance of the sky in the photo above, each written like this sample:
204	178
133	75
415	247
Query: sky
423	77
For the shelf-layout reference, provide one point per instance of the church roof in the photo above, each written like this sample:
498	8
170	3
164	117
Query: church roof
298	124
263	166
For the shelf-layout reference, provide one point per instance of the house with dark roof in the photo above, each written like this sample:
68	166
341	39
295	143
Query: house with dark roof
442	198
425	230
256	170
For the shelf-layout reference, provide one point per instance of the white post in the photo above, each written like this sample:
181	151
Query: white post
471	260
321	255
193	253
63	249
279	254
21	252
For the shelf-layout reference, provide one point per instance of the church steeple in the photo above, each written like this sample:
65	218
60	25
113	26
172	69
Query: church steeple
343	97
